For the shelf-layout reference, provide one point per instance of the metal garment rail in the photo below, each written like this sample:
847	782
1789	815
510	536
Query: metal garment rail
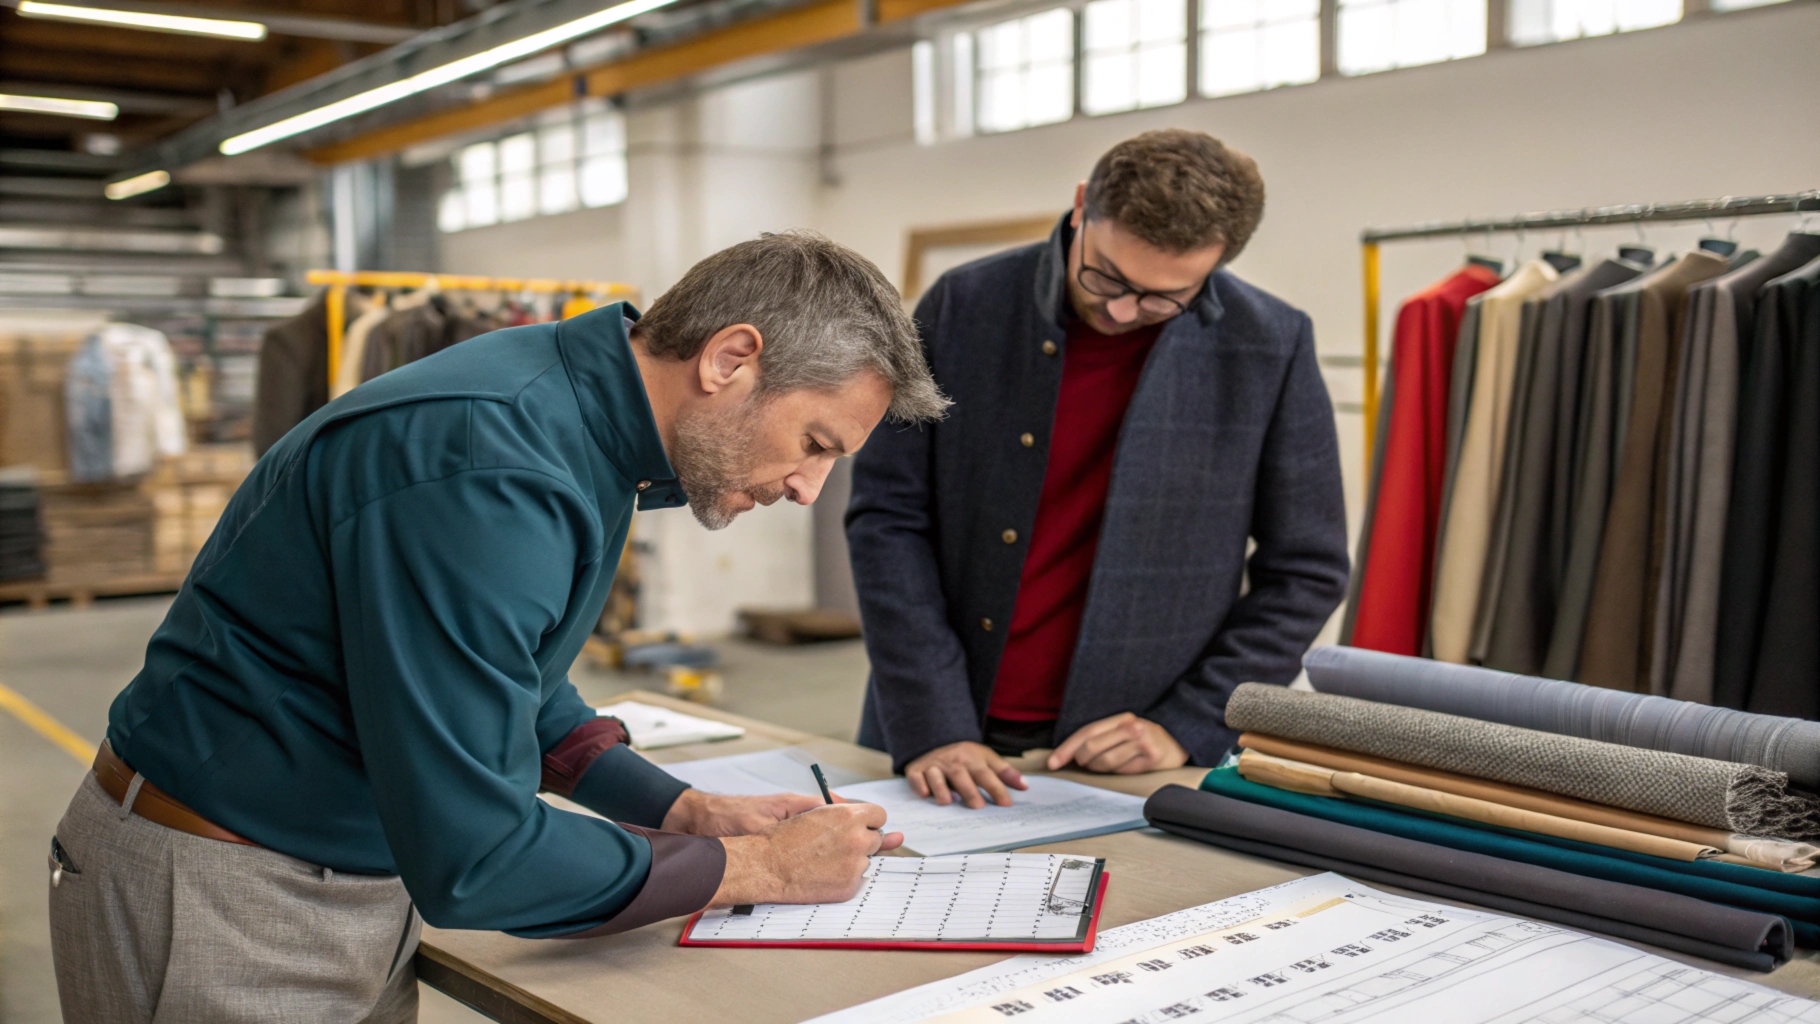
1724	208
339	281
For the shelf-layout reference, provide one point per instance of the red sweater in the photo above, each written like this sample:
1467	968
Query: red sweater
1099	374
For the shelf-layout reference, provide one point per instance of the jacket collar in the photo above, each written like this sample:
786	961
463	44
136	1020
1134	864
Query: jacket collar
596	349
1052	282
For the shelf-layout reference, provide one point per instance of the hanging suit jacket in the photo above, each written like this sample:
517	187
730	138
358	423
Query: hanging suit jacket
1615	644
1687	621
1461	562
293	373
1229	438
1396	546
1754	521
1535	555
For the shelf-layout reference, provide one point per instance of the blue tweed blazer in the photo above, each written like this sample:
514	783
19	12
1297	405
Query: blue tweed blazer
1229	440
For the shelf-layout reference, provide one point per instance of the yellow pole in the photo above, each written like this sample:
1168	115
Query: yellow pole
338	308
1371	348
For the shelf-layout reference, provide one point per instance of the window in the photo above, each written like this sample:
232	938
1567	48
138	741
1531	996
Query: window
573	157
1551	21
1740	5
1026	72
1136	54
1247	45
1378	35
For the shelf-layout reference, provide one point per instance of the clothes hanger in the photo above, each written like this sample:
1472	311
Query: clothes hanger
1560	258
1639	252
1490	263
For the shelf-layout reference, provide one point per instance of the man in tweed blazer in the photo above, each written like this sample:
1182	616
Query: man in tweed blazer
1063	562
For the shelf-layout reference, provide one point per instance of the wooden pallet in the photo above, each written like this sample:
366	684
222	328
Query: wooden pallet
40	593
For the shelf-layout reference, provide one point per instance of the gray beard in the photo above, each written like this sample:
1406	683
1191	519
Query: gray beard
713	458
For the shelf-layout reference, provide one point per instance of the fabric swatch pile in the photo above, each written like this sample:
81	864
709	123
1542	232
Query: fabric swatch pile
1683	825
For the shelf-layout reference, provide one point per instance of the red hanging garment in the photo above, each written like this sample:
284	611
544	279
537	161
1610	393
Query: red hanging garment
1394	594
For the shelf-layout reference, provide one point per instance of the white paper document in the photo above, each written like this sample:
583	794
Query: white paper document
1327	949
980	898
1051	811
652	727
769	771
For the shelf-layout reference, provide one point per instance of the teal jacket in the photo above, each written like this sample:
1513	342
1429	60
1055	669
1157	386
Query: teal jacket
367	666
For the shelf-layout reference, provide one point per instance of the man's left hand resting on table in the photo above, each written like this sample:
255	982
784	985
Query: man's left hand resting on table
1123	744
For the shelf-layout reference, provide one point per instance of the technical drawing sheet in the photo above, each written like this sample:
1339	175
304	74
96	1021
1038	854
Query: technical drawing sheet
1327	950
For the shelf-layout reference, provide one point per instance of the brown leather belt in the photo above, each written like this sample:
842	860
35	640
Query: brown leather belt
152	803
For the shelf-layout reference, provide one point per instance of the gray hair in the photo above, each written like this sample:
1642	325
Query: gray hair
825	312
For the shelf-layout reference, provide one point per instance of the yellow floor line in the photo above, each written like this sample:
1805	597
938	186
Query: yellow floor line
44	725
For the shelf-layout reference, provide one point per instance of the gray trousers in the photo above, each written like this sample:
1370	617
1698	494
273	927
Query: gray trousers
158	926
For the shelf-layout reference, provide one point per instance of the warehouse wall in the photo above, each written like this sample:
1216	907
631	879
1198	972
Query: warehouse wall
1722	105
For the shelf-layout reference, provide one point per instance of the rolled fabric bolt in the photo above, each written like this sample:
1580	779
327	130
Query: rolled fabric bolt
1470	809
1747	938
1743	798
1746	851
1790	745
1497	792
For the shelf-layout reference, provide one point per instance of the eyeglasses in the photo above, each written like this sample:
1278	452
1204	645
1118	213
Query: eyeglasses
1099	283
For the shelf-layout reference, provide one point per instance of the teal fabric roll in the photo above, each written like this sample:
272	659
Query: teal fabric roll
1794	897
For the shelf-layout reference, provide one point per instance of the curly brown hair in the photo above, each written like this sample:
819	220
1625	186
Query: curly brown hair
1179	190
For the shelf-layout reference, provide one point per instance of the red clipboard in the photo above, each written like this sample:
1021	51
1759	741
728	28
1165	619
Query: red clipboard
1059	948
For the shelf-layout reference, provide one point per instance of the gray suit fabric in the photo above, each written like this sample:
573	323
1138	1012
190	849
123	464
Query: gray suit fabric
1514	500
1534	540
1616	645
1597	408
1386	400
1700	473
161	927
1788	745
1745	798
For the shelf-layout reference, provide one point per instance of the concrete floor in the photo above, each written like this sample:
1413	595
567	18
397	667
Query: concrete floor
72	663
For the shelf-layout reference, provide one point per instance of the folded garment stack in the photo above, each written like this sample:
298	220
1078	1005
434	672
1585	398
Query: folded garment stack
1529	795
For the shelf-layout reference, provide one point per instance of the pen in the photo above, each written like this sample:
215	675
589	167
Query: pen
822	781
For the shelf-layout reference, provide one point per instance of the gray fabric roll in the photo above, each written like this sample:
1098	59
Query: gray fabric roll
1788	745
1729	935
1745	798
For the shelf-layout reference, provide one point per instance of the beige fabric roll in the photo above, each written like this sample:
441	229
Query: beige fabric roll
1497	792
1266	769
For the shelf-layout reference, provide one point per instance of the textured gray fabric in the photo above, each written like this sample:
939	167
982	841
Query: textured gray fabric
1720	794
162	927
1746	938
1788	745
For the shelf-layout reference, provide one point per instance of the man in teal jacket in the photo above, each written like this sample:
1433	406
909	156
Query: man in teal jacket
349	710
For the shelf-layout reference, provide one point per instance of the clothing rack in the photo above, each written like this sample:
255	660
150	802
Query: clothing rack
1726	207
339	281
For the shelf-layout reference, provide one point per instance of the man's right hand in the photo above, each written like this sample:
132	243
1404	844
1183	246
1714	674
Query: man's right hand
817	856
962	770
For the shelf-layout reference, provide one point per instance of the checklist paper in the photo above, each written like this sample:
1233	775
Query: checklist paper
1046	901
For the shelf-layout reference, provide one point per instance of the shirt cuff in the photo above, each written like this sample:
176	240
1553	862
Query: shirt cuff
686	872
570	758
623	786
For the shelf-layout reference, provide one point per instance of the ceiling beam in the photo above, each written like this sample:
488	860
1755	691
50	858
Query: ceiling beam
311	26
793	29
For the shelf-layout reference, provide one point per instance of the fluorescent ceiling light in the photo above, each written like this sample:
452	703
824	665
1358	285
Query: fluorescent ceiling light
97	109
139	184
218	27
485	60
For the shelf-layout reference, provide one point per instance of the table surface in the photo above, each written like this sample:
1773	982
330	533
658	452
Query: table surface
644	976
